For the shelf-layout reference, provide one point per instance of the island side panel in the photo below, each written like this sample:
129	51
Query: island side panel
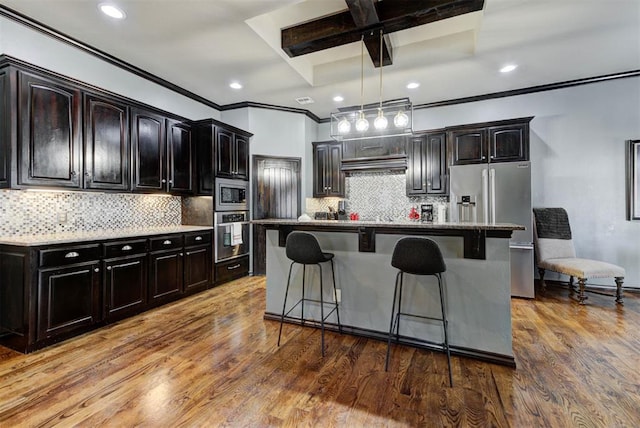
477	291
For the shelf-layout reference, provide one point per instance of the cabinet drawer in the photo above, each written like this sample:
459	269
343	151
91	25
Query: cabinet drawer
69	255
124	248
232	269
198	238
166	242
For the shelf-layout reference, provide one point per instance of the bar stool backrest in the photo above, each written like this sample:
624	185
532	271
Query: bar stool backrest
303	248
418	256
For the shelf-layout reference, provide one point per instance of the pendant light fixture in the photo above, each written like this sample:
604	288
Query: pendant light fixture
381	122
362	124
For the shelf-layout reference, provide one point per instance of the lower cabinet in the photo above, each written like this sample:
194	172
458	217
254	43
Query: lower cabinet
232	269
51	293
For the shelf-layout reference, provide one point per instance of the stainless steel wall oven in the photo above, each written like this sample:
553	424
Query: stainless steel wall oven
231	234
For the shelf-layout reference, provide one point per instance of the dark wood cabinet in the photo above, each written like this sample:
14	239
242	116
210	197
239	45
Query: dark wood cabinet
427	164
149	151
5	130
221	151
328	178
180	157
231	269
124	278
197	263
500	141
49	132
106	148
165	268
232	154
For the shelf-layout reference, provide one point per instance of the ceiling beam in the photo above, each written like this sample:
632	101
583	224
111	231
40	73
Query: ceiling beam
392	15
364	15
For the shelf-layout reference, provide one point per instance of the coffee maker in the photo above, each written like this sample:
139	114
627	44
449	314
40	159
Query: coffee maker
342	212
426	212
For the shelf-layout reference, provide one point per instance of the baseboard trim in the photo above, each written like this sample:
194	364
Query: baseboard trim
489	357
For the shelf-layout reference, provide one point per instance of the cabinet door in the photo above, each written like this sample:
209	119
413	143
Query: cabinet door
68	299
436	164
5	127
224	153
204	140
180	157
241	151
148	145
335	177
49	132
509	143
417	166
125	286
469	146
106	148
165	276
320	166
197	268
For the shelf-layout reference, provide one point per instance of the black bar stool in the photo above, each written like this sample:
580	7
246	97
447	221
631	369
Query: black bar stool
417	256
303	248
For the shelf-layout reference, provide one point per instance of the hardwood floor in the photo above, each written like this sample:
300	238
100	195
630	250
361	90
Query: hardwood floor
211	360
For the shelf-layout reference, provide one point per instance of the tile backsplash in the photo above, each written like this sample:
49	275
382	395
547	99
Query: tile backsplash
34	212
377	196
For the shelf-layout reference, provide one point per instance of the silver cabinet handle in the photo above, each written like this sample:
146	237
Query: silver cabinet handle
127	248
167	242
96	270
163	181
181	254
108	267
198	238
233	267
71	255
170	181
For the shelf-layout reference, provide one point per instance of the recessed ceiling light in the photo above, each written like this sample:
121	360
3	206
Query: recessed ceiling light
508	68
413	85
112	11
338	98
235	85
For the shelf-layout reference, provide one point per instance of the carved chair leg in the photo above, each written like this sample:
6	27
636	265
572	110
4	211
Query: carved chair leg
541	272
581	296
619	281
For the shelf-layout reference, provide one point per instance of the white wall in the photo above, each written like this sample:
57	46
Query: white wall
36	48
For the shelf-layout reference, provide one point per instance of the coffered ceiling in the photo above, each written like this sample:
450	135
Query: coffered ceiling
204	45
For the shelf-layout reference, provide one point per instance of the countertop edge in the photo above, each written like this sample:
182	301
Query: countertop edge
396	225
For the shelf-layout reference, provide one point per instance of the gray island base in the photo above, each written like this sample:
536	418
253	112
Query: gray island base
477	282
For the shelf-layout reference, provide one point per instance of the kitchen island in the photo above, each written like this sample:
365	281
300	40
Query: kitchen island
477	281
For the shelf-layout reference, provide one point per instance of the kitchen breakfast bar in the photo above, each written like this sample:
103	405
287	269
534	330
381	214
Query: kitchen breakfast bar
477	281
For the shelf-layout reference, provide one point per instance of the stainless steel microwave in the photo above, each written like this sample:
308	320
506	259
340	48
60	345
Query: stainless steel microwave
231	195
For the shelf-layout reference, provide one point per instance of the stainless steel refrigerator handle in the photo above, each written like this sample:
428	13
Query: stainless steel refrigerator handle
485	196
492	180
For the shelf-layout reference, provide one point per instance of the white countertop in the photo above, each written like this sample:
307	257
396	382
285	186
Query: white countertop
98	235
393	224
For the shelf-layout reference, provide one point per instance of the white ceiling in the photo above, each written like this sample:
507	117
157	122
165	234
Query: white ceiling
203	45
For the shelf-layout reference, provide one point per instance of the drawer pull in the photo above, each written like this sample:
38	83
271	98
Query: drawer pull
167	242
71	255
127	248
198	238
96	270
109	268
233	267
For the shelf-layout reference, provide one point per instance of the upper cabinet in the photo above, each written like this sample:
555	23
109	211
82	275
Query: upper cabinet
180	157
328	179
106	149
49	133
232	154
502	141
427	164
5	154
149	151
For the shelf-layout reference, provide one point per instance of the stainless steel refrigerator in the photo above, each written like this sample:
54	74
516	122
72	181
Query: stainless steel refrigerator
499	193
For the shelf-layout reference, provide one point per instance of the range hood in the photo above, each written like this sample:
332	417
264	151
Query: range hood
375	154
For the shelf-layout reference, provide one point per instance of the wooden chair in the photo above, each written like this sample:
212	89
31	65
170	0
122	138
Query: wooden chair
555	252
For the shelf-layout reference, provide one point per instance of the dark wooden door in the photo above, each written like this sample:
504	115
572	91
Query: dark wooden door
68	299
436	164
509	143
180	149
241	150
197	268
204	135
320	167
49	132
148	146
106	149
334	173
4	129
276	194
165	275
417	166
328	179
469	146
125	286
224	153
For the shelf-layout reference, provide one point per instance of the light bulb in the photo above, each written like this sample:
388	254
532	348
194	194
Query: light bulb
381	122
344	126
362	124
401	119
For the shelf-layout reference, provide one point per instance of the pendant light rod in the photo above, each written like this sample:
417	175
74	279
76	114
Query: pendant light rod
381	68
361	72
